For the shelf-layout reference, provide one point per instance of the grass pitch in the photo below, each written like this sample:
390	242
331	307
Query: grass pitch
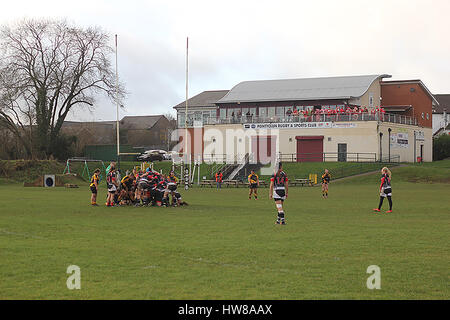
224	246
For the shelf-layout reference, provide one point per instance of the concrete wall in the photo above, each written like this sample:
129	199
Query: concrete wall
406	151
360	137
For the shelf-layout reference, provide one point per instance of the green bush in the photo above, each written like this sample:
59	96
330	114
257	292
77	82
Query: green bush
441	147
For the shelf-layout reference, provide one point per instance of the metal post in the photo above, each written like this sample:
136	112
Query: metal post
414	146
389	145
117	111
381	146
186	111
186	178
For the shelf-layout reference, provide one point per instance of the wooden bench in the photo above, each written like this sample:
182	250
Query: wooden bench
231	183
301	182
262	184
205	183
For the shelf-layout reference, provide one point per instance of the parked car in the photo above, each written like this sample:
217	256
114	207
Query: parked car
152	155
170	154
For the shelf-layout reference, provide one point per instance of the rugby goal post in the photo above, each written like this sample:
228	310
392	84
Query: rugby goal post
85	166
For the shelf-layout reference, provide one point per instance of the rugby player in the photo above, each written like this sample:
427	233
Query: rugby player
112	184
94	186
178	200
326	177
172	181
385	189
143	186
253	181
126	189
279	192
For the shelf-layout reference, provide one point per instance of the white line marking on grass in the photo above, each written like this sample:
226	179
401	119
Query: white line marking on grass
20	234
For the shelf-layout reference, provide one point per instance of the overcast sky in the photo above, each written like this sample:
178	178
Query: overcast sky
233	41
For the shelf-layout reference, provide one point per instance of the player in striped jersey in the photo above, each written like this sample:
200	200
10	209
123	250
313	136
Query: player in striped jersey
385	189
326	177
279	192
253	183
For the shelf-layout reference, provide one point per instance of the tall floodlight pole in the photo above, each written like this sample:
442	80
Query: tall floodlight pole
186	111
117	110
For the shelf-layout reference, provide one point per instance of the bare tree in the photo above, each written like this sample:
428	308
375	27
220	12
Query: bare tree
47	68
170	128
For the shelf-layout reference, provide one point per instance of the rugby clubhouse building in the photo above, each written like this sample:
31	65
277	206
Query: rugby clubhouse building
348	118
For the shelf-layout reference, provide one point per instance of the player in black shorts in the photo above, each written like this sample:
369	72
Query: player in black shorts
279	192
178	200
126	189
94	186
326	177
172	181
253	183
385	189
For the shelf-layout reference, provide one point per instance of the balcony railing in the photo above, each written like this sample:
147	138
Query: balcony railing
337	157
340	117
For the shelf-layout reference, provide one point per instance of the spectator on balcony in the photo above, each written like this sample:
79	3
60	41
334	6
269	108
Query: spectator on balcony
233	119
289	113
317	115
249	117
295	114
239	115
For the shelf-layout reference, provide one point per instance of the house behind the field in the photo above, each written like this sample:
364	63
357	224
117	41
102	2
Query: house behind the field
148	132
137	133
441	118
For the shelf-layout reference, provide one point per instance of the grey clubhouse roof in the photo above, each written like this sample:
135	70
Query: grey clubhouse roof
204	99
301	89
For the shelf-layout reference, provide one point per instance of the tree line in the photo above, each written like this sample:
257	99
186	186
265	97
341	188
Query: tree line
47	69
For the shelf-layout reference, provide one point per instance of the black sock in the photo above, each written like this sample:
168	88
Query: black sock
381	202
390	202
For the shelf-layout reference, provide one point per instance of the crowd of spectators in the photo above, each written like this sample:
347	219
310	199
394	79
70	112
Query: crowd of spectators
316	114
330	111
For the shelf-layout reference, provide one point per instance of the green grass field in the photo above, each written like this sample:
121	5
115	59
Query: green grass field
224	246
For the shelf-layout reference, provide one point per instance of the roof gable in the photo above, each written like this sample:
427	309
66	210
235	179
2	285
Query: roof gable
444	103
139	122
204	99
417	81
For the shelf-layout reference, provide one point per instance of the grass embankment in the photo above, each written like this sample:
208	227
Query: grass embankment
302	170
423	173
30	170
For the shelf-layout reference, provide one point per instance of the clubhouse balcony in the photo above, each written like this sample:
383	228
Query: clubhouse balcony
322	117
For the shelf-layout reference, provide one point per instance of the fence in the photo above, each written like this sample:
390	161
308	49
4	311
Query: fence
335	157
328	157
339	117
108	152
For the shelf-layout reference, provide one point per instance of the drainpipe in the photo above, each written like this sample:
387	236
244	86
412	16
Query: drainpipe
381	147
389	145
